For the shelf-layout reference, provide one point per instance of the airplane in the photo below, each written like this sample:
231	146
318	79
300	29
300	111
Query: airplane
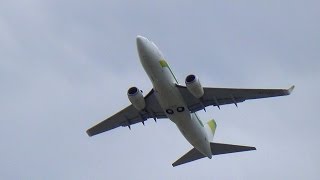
179	103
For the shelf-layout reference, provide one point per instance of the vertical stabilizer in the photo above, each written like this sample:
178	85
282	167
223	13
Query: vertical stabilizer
211	129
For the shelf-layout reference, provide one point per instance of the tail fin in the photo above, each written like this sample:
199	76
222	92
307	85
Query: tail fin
216	149
211	127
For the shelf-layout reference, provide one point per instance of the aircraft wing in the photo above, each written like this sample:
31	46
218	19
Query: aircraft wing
130	115
222	96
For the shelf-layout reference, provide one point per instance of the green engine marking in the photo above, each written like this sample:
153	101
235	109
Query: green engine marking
164	64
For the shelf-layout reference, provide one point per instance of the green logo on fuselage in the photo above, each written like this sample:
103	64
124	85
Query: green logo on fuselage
164	64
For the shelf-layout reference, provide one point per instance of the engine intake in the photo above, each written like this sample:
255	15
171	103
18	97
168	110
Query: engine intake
136	98
194	86
190	78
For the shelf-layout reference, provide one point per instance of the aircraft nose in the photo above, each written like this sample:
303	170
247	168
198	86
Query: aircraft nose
141	42
144	49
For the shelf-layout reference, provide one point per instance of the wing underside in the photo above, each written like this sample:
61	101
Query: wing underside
222	96
130	115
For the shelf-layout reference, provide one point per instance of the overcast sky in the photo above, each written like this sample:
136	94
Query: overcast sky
66	65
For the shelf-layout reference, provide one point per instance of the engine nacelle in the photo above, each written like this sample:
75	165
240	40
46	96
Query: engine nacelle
136	98
194	86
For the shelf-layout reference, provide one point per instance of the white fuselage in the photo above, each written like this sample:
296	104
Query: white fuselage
169	97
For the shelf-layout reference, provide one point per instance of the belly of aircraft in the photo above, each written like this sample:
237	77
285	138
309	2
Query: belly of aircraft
171	100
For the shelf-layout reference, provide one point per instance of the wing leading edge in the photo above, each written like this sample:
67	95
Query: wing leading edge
222	96
130	115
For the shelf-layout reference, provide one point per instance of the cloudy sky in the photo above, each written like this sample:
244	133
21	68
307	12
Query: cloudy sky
66	65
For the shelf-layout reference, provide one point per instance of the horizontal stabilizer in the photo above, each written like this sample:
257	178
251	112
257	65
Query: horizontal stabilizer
216	149
192	155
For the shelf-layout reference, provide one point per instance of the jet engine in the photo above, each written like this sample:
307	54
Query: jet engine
136	98
194	86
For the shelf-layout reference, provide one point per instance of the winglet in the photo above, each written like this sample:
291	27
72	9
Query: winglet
290	90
